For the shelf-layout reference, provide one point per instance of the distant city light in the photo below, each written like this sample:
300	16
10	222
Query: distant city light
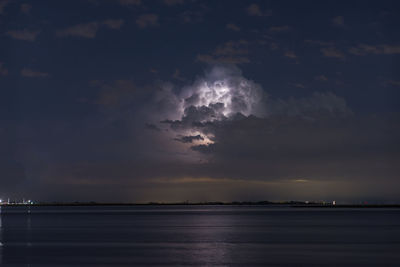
16	202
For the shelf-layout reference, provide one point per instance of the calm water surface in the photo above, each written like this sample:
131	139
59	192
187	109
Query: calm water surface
199	235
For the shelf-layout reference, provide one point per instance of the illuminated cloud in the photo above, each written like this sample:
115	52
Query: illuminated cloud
224	114
222	94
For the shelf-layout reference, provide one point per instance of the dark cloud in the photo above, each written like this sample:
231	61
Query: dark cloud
114	23
26	8
236	142
147	20
177	75
26	72
328	49
231	52
130	2
152	127
327	103
192	16
116	93
313	114
319	43
298	85
393	83
210	59
3	70
338	21
316	138
332	52
218	121
89	30
383	49
233	27
25	34
321	78
210	121
317	148
3	4
284	28
86	30
290	54
173	2
255	10
189	138
312	143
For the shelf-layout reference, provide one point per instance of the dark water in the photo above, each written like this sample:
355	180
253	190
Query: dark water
199	235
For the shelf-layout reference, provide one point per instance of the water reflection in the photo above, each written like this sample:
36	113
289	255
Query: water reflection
203	235
211	234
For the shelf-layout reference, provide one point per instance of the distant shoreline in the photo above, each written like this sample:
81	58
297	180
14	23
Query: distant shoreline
263	203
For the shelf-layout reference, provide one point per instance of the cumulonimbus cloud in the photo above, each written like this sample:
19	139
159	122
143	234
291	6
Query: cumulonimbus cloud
223	97
220	95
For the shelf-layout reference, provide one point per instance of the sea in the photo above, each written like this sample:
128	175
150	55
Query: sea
198	235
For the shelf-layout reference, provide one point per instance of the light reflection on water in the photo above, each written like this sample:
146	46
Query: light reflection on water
199	235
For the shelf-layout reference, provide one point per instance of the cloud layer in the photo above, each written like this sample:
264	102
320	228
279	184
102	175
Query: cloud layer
220	137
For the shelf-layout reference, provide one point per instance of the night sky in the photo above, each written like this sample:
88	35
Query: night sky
185	100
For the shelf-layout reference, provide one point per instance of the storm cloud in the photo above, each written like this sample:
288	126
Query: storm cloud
170	101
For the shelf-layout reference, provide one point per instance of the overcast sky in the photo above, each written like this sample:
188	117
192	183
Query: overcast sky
175	100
